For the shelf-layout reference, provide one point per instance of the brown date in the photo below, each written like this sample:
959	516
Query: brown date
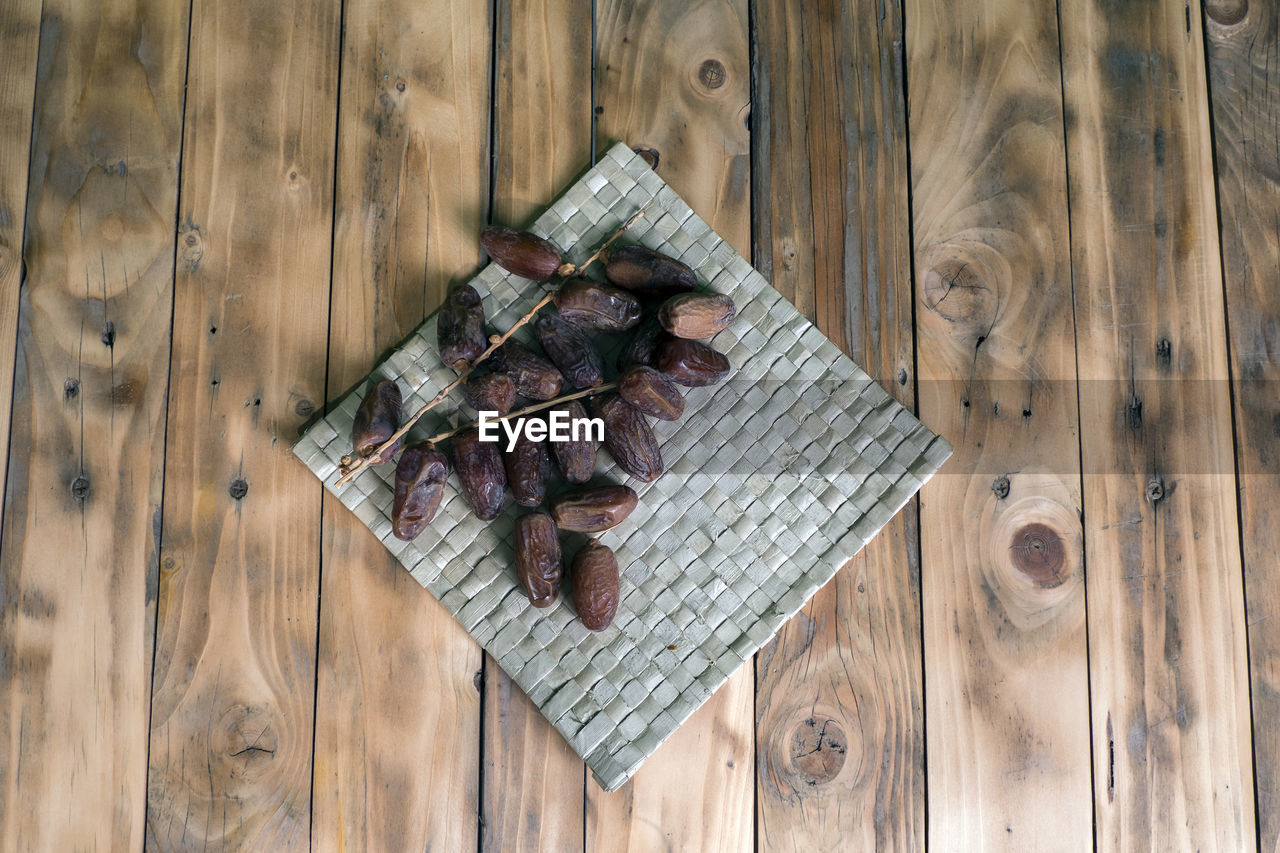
697	315
648	273
538	562
577	459
571	350
420	477
596	585
651	392
480	468
593	510
643	346
534	376
629	438
692	363
520	252
460	327
597	306
528	466
376	420
491	392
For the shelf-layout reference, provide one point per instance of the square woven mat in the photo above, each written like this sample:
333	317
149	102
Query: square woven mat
775	478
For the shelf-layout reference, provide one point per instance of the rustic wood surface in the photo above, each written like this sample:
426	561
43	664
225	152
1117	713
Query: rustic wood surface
1050	227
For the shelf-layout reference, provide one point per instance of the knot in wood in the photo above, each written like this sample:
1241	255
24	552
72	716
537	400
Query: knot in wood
80	488
1038	553
238	489
818	749
650	156
71	388
304	408
954	291
109	334
712	74
1226	12
1155	490
1001	487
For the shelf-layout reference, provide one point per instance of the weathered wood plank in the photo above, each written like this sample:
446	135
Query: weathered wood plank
542	139
674	77
1003	599
78	566
839	697
19	39
1244	80
395	669
232	712
1168	675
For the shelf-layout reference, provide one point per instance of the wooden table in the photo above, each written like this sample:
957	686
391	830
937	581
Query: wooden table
1049	227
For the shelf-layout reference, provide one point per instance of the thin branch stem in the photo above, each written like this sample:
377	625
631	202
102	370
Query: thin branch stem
527	410
571	270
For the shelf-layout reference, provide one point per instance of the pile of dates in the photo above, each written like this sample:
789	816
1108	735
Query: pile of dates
652	298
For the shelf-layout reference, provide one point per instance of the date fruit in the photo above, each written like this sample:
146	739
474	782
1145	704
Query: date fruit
692	363
538	561
528	466
460	328
376	420
491	392
593	510
597	306
647	273
576	459
527	255
420	478
534	376
596	585
643	346
571	350
629	438
651	392
483	476
697	315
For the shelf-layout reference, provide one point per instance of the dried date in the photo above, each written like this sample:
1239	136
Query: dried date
528	466
692	363
420	479
648	273
643	346
520	252
534	376
571	350
597	306
629	438
596	585
491	392
483	476
538	562
576	459
460	328
376	421
651	392
595	509
697	315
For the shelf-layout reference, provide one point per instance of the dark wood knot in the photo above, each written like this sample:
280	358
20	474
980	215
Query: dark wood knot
1039	554
954	291
1001	487
1226	12
712	74
818	749
650	156
238	489
80	488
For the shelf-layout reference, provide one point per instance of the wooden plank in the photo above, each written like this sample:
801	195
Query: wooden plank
19	39
395	669
234	682
78	567
1244	80
1006	692
674	77
1168	675
543	80
839	697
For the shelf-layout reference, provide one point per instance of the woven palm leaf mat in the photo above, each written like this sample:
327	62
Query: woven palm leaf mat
774	479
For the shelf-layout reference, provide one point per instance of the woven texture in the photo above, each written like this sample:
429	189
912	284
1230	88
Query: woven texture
775	478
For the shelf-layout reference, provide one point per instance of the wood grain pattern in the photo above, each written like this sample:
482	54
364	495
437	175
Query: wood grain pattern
1244	80
674	77
542	140
78	566
1168	672
19	39
1003	578
233	690
839	697
396	670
